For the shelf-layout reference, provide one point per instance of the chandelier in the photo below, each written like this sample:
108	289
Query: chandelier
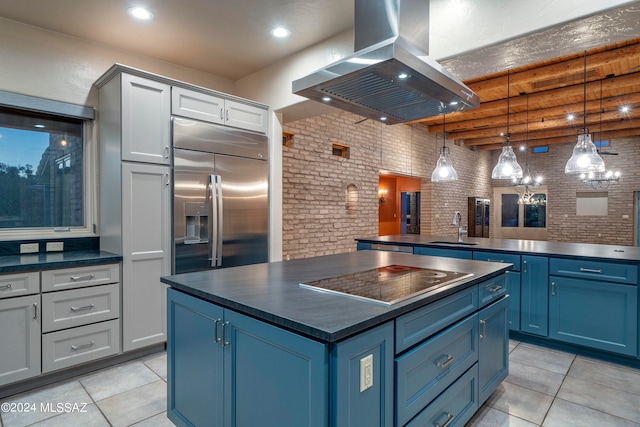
525	185
600	180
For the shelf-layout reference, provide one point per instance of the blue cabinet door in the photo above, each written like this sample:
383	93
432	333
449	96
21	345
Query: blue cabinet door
194	362
534	295
594	314
493	347
445	252
513	289
273	377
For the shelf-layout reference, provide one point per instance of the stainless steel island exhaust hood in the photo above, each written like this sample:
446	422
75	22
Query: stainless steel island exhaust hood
389	78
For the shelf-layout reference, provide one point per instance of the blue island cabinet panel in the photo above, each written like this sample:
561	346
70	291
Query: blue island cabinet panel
351	405
534	295
594	314
445	252
225	368
493	347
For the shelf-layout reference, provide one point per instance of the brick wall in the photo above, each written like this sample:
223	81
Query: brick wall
318	220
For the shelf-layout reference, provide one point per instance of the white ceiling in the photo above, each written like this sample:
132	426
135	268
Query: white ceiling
231	38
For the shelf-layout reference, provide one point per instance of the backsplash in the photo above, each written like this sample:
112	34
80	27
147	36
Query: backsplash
69	244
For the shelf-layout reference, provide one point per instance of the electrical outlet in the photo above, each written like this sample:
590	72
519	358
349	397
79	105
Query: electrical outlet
55	246
29	248
366	373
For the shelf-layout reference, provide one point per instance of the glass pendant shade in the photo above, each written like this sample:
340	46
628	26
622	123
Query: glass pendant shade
585	157
444	170
507	167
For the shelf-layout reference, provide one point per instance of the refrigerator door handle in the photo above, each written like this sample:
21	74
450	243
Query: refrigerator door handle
215	241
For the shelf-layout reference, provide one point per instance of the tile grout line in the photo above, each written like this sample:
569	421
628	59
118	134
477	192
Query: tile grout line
555	396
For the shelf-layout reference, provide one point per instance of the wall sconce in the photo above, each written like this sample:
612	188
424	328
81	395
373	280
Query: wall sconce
382	193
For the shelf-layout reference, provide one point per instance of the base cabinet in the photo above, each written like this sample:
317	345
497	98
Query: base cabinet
534	295
226	369
20	338
493	347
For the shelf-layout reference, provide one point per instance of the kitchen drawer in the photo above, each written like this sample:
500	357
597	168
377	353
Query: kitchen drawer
427	370
498	257
70	347
77	307
391	248
14	285
79	277
455	406
492	289
445	252
420	324
594	270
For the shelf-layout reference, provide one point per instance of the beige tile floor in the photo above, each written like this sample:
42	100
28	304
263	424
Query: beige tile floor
544	388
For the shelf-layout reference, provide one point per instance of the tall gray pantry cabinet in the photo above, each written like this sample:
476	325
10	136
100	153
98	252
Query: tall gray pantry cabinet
135	198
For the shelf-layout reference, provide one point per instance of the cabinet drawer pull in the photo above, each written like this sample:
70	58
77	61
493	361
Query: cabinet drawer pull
446	363
524	266
35	310
450	418
7	286
590	270
87	277
553	289
81	346
225	343
495	260
495	288
484	329
84	307
216	338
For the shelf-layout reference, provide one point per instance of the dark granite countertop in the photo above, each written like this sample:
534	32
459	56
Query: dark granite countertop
529	247
271	292
49	260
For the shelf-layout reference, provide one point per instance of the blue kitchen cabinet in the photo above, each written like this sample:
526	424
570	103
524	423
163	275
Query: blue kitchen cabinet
534	295
227	369
512	280
587	306
445	252
363	246
493	347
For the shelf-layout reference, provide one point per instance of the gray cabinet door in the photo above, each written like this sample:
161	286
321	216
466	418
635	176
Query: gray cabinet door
20	338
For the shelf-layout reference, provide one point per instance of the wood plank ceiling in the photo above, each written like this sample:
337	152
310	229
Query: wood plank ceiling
543	95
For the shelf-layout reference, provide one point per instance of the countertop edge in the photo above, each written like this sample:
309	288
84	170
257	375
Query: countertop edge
35	262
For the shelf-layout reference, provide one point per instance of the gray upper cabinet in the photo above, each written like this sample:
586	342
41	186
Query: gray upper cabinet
218	110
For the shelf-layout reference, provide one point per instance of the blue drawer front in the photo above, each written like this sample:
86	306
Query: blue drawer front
424	322
492	289
427	370
455	406
362	246
445	252
594	270
498	257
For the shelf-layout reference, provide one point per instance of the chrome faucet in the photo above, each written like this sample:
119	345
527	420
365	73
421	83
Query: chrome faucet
457	220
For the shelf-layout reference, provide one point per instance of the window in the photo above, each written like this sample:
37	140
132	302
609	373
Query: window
519	221
42	173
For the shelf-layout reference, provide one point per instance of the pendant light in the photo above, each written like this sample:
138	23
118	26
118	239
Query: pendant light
507	167
444	170
585	157
525	186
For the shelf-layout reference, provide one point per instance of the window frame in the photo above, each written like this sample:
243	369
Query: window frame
33	104
519	232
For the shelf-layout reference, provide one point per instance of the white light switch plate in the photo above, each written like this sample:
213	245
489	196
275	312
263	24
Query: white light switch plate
366	373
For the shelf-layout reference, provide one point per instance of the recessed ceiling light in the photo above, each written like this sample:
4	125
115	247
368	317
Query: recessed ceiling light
39	126
625	109
403	75
140	13
280	32
570	117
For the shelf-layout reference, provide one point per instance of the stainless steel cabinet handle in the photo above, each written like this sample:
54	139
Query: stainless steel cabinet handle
84	307
495	260
167	179
225	343
227	116
484	329
553	288
81	346
87	277
35	310
495	288
450	418
590	270
166	152
216	338
446	363
221	114
524	265
7	286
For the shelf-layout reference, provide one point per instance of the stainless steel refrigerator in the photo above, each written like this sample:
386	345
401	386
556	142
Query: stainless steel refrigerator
220	196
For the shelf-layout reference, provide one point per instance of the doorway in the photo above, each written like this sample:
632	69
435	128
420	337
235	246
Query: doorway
398	205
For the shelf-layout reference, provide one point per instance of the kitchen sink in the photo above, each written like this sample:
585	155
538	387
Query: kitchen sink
453	242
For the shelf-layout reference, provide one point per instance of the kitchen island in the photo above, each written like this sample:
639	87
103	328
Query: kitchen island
577	297
251	346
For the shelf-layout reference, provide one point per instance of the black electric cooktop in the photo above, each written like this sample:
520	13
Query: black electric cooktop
388	285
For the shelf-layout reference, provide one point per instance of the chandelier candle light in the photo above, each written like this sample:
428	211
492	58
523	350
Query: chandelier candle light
444	170
525	185
507	167
585	157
